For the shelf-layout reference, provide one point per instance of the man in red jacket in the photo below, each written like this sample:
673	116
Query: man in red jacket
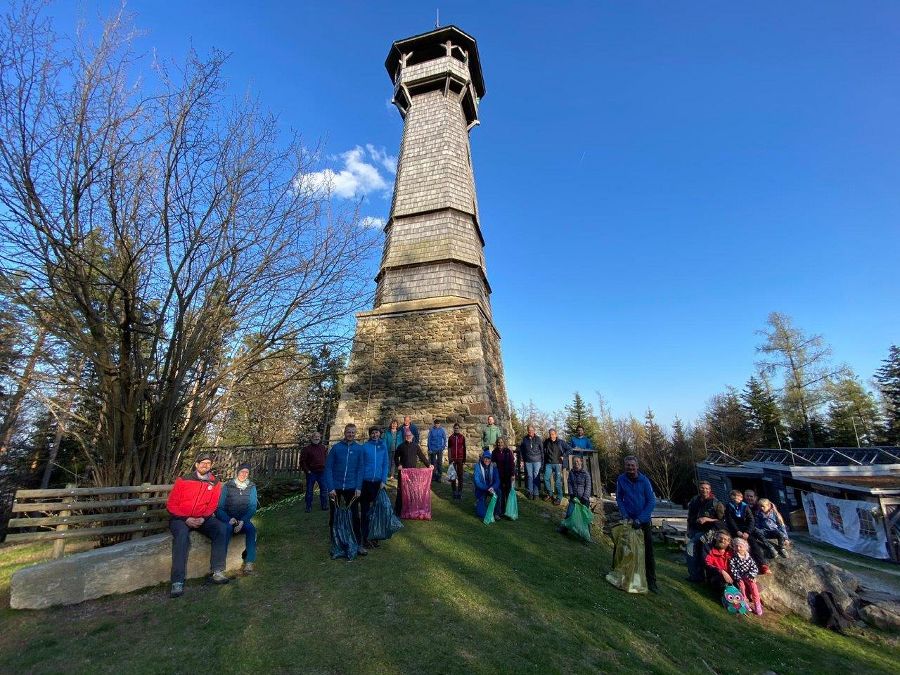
192	503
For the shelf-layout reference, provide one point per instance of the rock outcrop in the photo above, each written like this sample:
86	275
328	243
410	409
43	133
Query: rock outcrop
121	568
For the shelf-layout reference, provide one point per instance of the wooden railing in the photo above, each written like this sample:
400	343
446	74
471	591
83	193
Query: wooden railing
267	462
72	513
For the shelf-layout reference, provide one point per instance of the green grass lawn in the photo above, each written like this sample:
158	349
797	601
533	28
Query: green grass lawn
449	595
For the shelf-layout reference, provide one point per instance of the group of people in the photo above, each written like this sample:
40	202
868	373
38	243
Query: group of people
200	501
728	544
731	543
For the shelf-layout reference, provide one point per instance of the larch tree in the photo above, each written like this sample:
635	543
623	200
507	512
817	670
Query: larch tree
803	361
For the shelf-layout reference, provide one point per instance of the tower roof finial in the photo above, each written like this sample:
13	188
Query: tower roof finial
437	17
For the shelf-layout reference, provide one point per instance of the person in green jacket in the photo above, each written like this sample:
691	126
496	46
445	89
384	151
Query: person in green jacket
490	434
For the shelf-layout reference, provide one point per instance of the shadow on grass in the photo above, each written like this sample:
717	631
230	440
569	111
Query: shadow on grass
449	595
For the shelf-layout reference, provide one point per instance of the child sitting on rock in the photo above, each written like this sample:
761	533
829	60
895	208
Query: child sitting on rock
717	561
743	572
770	524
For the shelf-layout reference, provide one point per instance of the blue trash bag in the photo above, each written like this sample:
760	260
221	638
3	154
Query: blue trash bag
383	522
343	539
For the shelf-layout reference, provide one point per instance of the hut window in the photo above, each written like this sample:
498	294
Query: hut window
834	515
866	523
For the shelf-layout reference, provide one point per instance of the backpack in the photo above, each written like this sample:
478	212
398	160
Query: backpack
734	600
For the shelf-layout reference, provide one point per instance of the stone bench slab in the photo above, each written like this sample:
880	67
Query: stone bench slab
121	568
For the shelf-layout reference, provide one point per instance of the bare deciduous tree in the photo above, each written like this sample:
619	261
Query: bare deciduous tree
164	235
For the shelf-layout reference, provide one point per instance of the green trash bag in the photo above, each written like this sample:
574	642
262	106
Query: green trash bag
629	572
489	514
579	522
512	505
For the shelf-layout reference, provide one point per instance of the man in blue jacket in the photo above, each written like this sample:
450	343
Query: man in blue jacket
437	441
343	479
375	472
635	498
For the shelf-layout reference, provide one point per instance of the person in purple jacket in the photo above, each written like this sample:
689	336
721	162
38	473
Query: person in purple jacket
635	498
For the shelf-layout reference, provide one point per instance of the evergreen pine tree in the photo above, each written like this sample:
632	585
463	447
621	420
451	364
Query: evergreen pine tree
581	414
888	378
764	414
853	415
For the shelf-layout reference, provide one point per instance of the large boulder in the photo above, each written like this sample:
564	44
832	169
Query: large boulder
121	568
794	580
886	616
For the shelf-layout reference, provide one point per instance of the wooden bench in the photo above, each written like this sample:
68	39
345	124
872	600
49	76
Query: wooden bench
72	512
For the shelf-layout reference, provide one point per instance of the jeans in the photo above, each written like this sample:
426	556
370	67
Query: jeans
694	557
367	498
556	470
249	530
437	461
313	477
214	529
533	478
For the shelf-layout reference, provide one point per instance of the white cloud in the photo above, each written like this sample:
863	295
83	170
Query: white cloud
373	222
360	176
389	162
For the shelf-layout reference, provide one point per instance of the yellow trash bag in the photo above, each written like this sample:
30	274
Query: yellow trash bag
629	571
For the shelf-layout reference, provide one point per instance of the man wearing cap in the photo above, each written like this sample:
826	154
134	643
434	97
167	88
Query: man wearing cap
375	473
192	504
236	507
312	462
343	480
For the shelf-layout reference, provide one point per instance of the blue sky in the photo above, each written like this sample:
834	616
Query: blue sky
654	178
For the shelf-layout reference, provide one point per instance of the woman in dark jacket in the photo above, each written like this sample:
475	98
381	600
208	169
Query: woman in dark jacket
505	461
237	505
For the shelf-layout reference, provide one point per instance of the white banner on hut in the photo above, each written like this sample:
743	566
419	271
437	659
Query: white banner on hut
846	523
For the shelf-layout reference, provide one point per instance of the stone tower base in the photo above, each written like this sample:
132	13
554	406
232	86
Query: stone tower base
427	359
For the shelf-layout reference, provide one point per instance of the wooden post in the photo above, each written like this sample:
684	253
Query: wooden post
59	545
141	509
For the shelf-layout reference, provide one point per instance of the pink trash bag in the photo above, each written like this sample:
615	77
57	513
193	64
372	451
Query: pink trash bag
416	489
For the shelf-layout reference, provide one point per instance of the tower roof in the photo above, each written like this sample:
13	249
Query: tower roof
437	37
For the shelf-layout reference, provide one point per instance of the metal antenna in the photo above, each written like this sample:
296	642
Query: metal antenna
437	18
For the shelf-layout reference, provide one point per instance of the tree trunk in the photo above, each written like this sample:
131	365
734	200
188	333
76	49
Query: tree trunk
15	404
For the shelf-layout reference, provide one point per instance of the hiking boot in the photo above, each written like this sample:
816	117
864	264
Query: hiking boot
363	550
177	589
557	502
653	587
782	552
218	577
247	569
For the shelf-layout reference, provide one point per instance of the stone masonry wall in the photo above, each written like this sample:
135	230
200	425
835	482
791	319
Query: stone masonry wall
443	363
